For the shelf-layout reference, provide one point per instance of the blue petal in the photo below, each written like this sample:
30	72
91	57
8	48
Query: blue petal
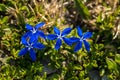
87	45
23	51
39	25
79	31
78	46
28	33
33	37
24	38
51	36
56	31
58	44
66	31
28	27
87	35
32	54
41	34
74	39
38	45
67	41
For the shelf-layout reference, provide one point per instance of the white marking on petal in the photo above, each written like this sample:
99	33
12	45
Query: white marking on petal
34	30
29	46
60	37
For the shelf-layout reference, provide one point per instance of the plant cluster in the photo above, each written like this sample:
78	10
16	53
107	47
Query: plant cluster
46	52
30	39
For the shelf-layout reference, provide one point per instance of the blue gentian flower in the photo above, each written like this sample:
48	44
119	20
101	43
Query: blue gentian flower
34	32
81	40
59	37
29	47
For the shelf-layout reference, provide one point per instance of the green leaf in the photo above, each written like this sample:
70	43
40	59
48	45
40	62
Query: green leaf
94	63
118	47
81	75
82	9
78	67
21	19
5	19
3	7
111	64
117	58
99	18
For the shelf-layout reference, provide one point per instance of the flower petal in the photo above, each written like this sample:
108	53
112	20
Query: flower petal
38	45
39	25
66	31
51	36
33	37
23	51
67	41
74	39
79	31
24	38
78	46
87	45
87	35
41	34
58	44
56	31
32	54
28	27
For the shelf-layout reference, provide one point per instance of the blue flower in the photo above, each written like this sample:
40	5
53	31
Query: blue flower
82	38
59	37
29	47
34	32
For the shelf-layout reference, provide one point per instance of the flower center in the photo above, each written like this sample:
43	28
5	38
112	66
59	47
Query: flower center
34	30
60	37
81	39
29	46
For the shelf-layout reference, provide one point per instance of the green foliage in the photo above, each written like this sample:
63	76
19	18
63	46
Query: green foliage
83	10
64	64
3	7
105	23
117	58
111	64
